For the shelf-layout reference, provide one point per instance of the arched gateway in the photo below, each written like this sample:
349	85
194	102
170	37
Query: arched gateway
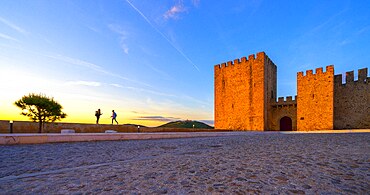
286	124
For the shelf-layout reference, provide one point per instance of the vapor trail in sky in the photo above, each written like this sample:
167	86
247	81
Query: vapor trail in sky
164	36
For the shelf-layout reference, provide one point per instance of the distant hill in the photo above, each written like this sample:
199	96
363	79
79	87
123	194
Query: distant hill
187	124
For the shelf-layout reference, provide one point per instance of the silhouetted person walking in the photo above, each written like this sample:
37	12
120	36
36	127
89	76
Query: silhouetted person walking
97	114
114	116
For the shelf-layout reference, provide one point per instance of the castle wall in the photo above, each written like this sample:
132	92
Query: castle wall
32	127
232	83
270	91
257	111
240	93
352	101
315	102
281	109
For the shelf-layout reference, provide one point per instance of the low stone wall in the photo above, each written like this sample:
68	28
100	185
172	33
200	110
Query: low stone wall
32	127
41	138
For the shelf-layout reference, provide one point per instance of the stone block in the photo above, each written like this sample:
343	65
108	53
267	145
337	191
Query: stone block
110	131
67	131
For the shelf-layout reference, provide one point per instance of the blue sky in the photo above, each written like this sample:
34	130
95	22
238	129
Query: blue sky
152	61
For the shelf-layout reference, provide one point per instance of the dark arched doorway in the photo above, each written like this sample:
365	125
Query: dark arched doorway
286	124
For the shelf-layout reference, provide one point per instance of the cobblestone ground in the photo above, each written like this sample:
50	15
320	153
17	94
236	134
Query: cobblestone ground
267	163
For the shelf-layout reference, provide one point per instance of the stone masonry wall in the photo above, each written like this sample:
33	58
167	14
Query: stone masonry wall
281	109
240	94
32	127
232	84
352	101
257	112
270	91
315	102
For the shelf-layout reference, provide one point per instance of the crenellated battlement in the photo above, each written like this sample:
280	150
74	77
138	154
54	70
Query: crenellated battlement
350	77
252	57
338	79
329	69
245	97
362	75
232	63
285	101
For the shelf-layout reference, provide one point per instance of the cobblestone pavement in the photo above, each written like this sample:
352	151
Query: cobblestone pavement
267	163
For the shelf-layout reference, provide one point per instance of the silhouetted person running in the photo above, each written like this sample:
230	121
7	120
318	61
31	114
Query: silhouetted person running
114	116
97	114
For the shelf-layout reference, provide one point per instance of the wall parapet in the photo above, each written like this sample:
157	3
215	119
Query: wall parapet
32	127
350	78
252	57
328	69
285	101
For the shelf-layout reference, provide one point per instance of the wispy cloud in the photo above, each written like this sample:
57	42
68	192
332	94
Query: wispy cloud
116	85
98	84
317	30
164	36
85	83
196	3
157	118
93	29
124	48
189	98
8	37
363	30
209	122
137	89
162	74
356	34
92	66
97	68
326	24
122	36
13	26
93	84
174	11
150	91
323	29
78	62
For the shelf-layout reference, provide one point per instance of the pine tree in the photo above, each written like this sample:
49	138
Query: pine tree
40	108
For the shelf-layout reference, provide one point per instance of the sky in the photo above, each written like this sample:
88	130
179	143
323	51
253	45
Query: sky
152	61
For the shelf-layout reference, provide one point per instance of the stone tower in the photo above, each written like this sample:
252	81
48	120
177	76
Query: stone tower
315	99
244	90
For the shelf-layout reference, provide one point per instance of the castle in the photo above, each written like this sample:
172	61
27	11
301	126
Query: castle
245	98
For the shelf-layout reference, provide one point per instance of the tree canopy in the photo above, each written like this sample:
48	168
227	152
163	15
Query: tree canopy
40	108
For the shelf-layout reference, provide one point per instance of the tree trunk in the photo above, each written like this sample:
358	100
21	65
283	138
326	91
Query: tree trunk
40	126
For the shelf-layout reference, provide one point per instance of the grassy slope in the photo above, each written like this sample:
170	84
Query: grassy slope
187	124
